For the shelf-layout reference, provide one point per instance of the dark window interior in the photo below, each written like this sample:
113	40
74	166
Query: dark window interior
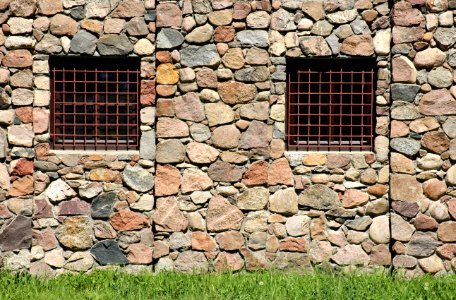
95	103
330	104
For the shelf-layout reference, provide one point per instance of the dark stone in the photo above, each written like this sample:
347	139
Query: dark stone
17	235
404	92
422	245
83	42
406	209
77	12
169	38
103	205
114	44
108	253
150	16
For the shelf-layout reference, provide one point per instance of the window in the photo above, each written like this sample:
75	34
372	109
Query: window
330	104
95	103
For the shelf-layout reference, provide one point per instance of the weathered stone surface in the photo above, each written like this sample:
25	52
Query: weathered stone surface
75	233
429	58
445	37
168	217
129	9
167	74
200	56
114	44
59	190
440	77
17	234
189	107
319	197
435	141
447	231
432	264
22	8
168	38
138	178
353	198
230	240
236	92
401	230
108	253
405	188
128	220
405	146
228	262
421	245
424	222
83	42
191	261
437	102
282	20
223	171
102	206
350	255
403	70
168	15
201	153
170	151
405	15
203	242
226	137
200	35
221	215
167	180
379	230
357	45
195	180
404	92
291	262
73	207
253	199
314	45
256	136
79	262
298	225
253	38
284	202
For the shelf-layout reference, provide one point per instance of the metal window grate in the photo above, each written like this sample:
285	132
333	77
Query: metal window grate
95	104
330	105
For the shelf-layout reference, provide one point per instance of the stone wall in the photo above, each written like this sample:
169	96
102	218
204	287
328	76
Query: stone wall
213	186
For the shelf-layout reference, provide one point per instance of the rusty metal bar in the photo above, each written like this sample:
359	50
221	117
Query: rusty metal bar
330	106
95	107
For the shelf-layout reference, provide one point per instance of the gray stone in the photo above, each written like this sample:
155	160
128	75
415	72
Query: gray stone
314	45
333	42
103	205
191	261
46	166
319	197
253	38
440	77
282	20
291	262
108	253
252	74
342	17
405	146
114	44
138	178
323	28
79	262
83	42
137	27
169	38
360	27
17	234
200	132
402	110
450	127
49	44
404	92
422	245
147	148
445	37
298	225
361	223
200	56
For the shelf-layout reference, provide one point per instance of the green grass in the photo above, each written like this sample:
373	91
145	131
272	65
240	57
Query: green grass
266	285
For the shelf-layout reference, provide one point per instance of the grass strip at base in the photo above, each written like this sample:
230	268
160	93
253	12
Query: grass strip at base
108	284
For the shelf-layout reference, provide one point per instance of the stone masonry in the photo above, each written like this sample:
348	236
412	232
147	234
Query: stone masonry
212	186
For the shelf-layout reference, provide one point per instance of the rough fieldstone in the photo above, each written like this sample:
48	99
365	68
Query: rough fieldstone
401	110
342	17
59	190
379	230
437	102
405	146
429	58
201	153
232	92
314	45
17	234
200	35
125	220
353	198
253	38
168	38
357	45
221	215
405	188
319	197
103	205
170	151
138	178
445	37
189	107
75	233
253	199
195	180
223	171
168	217
403	70
200	56
435	141
282	20
252	74
256	136
83	42
79	262
350	255
298	225
284	202
108	253
404	92
114	44
191	261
